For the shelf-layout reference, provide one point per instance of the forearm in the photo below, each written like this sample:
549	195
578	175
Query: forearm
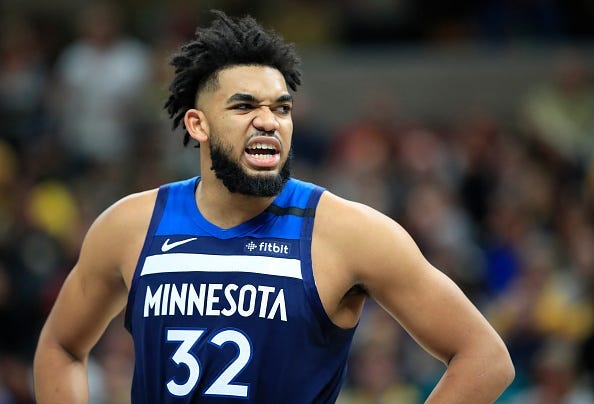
59	377
474	380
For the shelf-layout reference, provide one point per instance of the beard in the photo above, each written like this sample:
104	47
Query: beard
237	180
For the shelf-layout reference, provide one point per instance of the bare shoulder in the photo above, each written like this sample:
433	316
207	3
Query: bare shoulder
358	232
131	211
125	217
354	248
115	238
334	210
367	248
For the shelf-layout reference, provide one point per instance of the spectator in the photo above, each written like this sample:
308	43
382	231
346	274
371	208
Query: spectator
559	114
101	76
23	82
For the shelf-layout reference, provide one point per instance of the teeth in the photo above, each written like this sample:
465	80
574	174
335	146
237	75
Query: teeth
262	146
262	156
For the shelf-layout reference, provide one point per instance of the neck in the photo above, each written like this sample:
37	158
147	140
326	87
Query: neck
224	208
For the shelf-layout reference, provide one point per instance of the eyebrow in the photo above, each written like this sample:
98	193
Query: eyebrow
250	98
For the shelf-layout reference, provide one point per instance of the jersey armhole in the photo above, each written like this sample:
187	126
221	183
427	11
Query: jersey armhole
158	210
309	283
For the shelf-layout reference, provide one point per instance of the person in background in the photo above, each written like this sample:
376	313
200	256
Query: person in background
101	81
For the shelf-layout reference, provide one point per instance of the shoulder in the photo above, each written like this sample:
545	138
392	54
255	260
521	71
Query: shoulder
342	215
356	247
131	211
120	229
362	239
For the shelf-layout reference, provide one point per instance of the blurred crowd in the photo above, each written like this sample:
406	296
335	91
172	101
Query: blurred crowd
504	208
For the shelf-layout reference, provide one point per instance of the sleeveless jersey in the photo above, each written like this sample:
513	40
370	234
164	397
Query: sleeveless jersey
232	315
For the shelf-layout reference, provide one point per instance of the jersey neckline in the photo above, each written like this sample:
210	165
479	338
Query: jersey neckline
211	228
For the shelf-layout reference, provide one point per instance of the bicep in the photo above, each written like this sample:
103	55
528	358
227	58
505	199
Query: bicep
428	304
436	313
84	308
91	296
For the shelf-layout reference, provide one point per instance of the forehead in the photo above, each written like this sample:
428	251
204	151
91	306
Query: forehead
260	81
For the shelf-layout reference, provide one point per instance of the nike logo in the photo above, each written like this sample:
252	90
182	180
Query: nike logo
168	246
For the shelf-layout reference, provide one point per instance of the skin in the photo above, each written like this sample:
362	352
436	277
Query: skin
353	246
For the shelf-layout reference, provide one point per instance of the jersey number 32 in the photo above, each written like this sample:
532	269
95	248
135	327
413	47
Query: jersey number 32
223	385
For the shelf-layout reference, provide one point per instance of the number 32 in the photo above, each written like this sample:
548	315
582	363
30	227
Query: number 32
222	385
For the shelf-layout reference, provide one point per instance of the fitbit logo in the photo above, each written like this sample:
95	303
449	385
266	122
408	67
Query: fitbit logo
251	246
273	247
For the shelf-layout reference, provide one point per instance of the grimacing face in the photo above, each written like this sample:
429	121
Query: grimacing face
249	129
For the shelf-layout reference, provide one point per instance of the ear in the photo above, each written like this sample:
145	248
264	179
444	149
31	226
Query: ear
196	125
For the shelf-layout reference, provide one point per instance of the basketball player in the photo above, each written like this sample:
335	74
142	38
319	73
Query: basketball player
244	284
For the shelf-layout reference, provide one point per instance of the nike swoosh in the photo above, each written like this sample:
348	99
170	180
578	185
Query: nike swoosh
168	246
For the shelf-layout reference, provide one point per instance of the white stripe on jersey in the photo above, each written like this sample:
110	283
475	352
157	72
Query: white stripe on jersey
184	262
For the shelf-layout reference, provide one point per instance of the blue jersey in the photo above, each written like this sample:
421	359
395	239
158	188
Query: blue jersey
232	315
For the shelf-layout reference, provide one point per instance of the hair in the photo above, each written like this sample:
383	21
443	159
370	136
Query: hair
226	42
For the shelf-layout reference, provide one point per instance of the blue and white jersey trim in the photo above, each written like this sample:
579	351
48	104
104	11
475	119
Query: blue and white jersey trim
185	262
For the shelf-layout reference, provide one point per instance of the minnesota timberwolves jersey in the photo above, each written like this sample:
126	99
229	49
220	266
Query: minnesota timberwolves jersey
232	315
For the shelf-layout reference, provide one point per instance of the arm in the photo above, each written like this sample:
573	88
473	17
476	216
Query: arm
92	295
378	254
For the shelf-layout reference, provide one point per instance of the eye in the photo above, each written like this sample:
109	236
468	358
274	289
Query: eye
242	107
284	109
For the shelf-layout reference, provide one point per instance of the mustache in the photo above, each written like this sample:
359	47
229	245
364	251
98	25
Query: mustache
271	133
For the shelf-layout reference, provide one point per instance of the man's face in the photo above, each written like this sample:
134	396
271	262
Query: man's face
250	128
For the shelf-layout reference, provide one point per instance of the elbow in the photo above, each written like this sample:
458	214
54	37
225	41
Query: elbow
509	371
502	367
495	371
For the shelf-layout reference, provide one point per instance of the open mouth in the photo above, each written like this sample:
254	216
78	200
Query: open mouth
263	152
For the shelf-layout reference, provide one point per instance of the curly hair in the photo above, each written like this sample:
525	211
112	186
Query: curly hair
227	42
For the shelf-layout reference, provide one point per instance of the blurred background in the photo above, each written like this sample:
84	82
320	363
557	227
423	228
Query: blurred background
470	123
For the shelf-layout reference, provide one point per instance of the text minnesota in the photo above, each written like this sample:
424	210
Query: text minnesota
215	299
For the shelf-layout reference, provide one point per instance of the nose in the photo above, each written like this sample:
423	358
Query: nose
265	120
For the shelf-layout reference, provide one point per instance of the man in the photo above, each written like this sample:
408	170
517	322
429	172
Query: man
246	284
